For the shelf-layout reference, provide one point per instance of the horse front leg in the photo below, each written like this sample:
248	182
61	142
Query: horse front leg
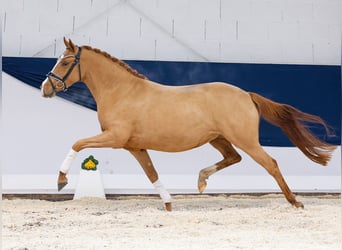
145	161
103	140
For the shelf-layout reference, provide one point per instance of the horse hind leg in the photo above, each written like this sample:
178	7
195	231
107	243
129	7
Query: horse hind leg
145	161
230	157
271	166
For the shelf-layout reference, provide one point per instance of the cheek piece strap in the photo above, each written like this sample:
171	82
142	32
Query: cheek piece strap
62	80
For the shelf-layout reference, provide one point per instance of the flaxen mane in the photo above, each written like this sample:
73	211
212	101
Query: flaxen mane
116	60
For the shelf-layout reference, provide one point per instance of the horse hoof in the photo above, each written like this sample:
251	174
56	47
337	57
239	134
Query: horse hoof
62	181
201	187
61	186
299	204
202	184
168	206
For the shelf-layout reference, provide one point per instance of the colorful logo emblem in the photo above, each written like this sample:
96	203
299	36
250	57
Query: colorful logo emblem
90	163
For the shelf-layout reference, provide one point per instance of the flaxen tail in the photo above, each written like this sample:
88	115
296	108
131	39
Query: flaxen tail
292	122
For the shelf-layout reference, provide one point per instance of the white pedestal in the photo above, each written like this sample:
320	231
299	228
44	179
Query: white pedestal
89	185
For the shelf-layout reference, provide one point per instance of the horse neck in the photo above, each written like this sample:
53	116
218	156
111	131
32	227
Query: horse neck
107	79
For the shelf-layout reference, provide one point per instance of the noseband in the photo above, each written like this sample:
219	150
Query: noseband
62	80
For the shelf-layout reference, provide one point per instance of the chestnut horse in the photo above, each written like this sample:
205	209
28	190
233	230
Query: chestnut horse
138	114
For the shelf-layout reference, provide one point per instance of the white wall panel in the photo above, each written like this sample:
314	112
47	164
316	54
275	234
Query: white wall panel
325	52
209	48
123	24
236	9
56	24
335	32
40	6
228	30
201	10
266	10
298	10
17	19
115	47
252	31
13	5
212	29
313	31
283	32
164	9
236	51
28	46
100	6
327	11
141	48
180	51
97	27
11	48
149	29
189	29
296	26
266	52
290	49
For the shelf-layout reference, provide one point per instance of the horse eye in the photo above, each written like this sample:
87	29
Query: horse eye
65	63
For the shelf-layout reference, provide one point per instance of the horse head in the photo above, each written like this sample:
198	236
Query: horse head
63	74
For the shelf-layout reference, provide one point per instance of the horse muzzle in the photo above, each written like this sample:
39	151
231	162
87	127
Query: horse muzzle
47	89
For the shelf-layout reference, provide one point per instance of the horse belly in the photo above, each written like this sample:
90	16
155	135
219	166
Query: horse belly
169	143
172	137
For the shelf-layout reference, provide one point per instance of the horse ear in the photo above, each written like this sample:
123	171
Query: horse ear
69	44
72	46
66	42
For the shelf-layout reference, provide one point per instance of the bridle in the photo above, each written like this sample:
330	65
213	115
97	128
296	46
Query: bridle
61	80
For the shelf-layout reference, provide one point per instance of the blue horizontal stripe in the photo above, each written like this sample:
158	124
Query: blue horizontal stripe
314	89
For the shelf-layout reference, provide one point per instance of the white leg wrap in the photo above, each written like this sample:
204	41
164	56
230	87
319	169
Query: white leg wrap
164	195
66	165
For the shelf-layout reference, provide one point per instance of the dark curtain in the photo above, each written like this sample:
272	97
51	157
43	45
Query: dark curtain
315	89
